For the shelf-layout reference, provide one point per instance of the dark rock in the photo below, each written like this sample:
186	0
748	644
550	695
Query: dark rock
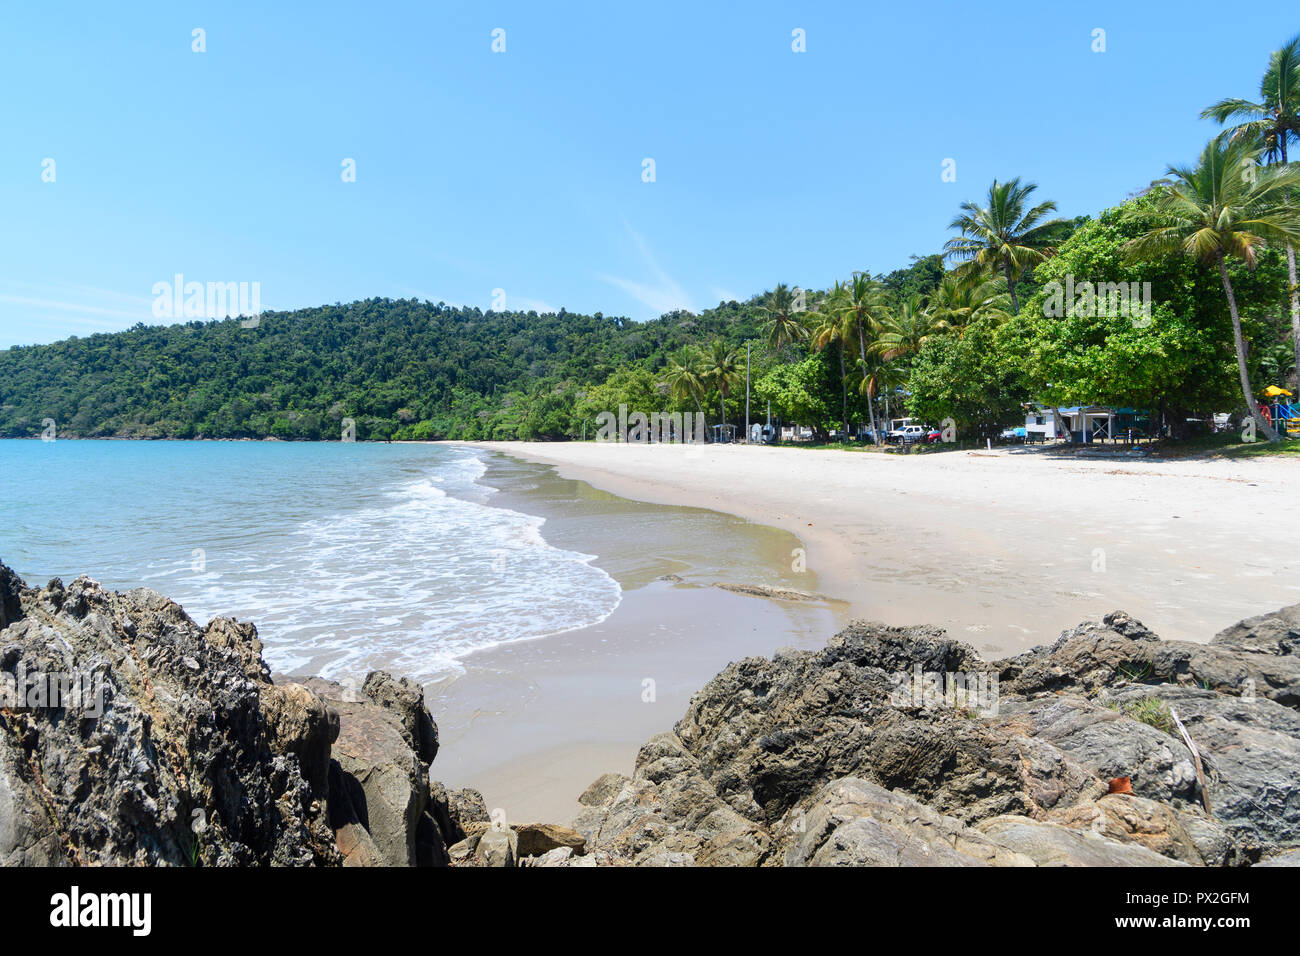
151	761
829	741
11	592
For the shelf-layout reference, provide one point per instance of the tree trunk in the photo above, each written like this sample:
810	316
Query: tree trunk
1240	343
844	385
1011	289
871	408
1295	290
1295	307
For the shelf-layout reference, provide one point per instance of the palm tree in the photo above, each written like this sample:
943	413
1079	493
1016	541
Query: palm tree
783	323
684	379
827	327
1002	237
1270	123
722	369
960	301
905	330
863	305
878	375
1221	208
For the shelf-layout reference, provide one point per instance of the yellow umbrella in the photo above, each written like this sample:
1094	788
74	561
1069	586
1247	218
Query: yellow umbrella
1273	392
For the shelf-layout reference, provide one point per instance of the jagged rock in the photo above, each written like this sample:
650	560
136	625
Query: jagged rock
170	756
1285	858
1127	818
1254	658
11	592
560	856
405	699
1275	633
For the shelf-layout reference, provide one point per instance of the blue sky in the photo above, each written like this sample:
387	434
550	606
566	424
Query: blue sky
522	170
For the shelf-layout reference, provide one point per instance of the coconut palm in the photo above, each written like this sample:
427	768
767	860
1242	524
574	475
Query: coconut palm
862	308
877	375
1270	123
827	327
684	379
904	330
784	322
960	301
1225	207
1003	237
722	369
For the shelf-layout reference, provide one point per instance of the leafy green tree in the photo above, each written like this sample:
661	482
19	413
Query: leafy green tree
1223	207
798	393
967	380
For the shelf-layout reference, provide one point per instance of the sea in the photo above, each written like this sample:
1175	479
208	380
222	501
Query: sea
346	555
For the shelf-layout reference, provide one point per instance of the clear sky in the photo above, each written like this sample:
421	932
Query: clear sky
523	170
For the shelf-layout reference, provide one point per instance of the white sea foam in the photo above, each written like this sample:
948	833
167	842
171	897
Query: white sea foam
412	582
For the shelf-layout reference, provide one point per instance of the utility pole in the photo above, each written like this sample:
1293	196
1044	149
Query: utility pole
748	350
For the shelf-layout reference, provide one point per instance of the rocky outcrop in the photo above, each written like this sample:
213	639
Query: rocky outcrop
129	734
899	746
157	742
160	742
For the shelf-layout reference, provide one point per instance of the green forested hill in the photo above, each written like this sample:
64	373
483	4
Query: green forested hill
399	368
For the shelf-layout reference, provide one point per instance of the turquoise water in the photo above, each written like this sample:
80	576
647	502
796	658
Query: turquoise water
347	556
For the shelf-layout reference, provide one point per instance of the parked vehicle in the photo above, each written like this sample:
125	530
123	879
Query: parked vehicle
1013	434
906	435
933	435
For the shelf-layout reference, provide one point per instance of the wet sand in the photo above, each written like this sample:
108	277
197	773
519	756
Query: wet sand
532	724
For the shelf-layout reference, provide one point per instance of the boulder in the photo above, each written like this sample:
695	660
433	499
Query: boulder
534	839
379	774
498	848
1049	844
853	822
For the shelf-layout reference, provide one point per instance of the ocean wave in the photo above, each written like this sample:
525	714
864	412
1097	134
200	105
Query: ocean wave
412	582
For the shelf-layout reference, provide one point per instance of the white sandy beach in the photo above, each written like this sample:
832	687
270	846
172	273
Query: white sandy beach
1004	548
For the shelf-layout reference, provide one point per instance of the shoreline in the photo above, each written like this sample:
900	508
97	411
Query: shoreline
531	724
1003	550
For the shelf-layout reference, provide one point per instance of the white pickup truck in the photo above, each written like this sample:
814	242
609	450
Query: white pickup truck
907	434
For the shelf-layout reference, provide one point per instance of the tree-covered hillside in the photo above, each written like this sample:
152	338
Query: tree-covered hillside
398	368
